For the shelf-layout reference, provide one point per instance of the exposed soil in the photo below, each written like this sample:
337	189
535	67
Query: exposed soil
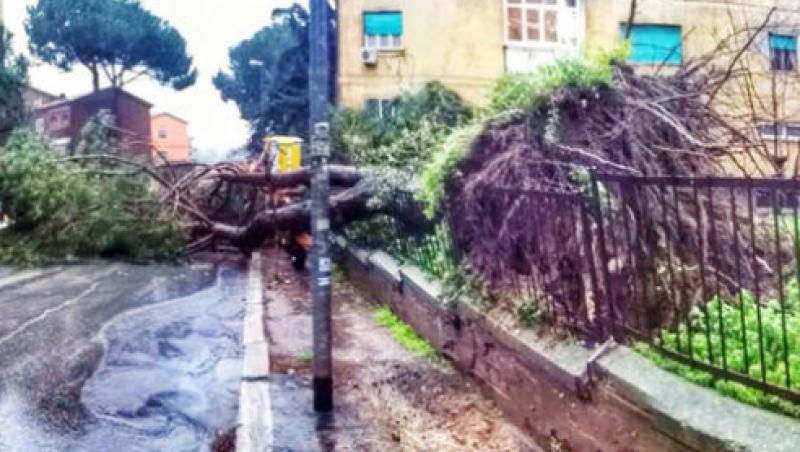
387	398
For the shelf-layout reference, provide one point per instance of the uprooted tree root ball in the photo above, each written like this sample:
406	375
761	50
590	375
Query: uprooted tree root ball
633	125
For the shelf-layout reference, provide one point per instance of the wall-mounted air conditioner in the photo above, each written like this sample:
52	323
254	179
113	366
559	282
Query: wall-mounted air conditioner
369	56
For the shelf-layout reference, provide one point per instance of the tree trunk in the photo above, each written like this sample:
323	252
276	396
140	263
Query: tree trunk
95	78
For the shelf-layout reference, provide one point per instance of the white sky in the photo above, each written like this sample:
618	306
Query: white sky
210	28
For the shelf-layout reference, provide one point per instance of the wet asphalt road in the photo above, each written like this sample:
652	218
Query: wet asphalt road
103	355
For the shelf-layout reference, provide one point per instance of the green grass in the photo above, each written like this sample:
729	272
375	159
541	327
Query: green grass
405	335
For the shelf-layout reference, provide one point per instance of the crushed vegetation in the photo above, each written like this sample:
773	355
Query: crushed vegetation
62	210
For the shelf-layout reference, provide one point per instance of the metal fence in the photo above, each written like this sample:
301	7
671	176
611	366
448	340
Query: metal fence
706	270
703	269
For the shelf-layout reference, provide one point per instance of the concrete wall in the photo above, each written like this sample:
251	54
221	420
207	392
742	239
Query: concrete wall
567	396
171	136
459	42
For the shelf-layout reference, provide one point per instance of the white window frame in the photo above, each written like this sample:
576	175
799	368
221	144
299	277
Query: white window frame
782	136
557	7
383	43
381	102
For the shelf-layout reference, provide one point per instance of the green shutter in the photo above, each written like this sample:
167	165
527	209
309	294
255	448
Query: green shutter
383	23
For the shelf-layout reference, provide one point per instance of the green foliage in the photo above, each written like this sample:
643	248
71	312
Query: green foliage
405	335
736	322
406	139
60	210
306	358
272	97
444	166
528	314
118	36
532	91
13	78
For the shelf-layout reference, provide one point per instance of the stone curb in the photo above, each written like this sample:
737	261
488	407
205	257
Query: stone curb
255	430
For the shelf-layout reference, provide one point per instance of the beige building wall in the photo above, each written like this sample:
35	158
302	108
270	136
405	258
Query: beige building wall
706	25
458	42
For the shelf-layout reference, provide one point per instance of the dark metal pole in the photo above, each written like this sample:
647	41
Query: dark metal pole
319	106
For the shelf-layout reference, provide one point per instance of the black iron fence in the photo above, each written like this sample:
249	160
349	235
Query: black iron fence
703	269
706	270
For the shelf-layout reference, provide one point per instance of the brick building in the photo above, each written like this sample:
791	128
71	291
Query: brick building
63	121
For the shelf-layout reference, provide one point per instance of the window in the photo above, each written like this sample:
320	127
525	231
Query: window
532	21
162	134
655	44
779	131
380	108
58	119
383	30
782	52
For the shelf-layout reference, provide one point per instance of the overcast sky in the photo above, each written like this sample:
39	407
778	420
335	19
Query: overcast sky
210	28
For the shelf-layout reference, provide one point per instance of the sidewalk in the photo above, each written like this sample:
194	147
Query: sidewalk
387	398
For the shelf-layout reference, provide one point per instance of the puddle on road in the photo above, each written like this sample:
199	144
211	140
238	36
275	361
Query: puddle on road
168	380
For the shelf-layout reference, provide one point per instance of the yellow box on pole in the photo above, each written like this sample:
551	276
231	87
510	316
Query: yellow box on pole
284	152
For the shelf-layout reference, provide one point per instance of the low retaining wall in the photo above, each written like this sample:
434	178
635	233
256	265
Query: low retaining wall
567	396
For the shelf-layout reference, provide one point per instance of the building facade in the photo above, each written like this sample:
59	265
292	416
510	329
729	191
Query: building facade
62	121
170	138
388	47
668	33
36	98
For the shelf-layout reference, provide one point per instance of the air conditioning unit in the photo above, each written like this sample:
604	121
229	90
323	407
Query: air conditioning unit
369	56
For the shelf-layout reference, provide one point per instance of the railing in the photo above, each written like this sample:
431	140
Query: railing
706	270
703	269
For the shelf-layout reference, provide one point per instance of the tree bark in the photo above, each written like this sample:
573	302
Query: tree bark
95	78
340	175
355	203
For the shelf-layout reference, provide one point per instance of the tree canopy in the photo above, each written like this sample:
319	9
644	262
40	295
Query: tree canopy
116	38
13	78
268	76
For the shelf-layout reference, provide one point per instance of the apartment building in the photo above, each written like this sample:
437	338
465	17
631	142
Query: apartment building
387	47
668	33
63	120
171	138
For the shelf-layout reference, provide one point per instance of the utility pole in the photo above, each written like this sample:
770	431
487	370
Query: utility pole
319	105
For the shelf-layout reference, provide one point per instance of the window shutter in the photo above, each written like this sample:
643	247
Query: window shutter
383	23
655	44
783	42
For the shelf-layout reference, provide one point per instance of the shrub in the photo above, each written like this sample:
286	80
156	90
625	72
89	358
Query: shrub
60	210
13	79
530	91
405	139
